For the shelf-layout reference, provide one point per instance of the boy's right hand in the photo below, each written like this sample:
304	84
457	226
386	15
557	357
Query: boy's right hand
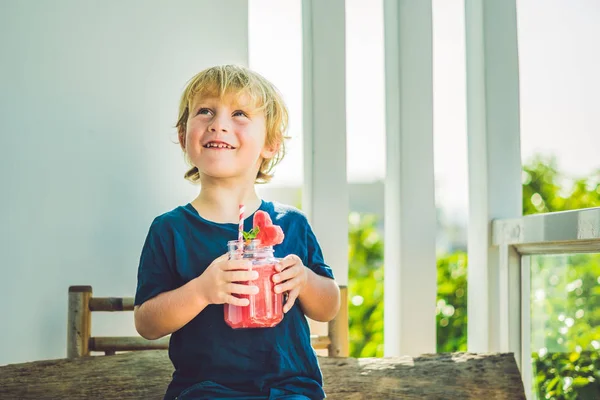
220	281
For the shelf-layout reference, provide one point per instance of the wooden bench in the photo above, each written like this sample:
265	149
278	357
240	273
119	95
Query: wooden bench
146	374
80	341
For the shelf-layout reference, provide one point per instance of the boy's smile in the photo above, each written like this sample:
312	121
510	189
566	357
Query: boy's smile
218	145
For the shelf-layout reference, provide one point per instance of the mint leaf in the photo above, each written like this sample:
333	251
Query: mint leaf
252	234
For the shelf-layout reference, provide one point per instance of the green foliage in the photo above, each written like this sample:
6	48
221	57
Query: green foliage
567	375
365	289
567	363
544	189
565	321
451	309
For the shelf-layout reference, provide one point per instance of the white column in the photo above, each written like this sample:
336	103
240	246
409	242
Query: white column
525	358
509	281
494	167
410	214
325	191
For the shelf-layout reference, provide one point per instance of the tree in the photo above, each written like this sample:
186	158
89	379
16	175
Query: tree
547	190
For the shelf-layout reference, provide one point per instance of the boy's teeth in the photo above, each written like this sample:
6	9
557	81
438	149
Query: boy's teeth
219	145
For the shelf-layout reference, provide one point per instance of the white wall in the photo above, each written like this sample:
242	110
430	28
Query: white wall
88	99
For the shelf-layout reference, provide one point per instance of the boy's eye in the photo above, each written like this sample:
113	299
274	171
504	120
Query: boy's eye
239	113
204	111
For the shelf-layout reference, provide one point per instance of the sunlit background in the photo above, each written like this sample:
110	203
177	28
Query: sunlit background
559	59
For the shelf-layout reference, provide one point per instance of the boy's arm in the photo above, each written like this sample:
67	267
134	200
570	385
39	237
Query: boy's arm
319	296
170	311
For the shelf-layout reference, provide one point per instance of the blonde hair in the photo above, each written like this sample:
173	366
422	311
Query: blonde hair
231	79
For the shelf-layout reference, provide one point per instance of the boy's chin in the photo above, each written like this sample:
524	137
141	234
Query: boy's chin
225	175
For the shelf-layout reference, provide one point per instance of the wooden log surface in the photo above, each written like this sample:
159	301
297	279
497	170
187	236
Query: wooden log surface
146	374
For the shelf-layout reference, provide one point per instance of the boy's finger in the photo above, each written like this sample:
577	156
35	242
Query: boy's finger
240	276
285	275
288	261
221	259
237	265
236	288
291	299
287	285
283	264
278	266
236	301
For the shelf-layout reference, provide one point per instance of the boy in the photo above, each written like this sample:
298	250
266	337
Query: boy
231	128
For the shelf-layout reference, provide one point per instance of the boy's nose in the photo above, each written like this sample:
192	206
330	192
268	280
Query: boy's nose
218	125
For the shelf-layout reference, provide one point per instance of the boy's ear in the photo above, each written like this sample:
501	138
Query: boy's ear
269	151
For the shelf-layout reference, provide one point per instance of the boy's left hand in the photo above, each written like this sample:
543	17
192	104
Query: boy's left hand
291	278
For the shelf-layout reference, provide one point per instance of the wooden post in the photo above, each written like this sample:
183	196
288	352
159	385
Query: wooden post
79	321
338	328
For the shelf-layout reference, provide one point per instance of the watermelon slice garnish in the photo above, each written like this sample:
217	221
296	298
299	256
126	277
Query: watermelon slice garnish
266	232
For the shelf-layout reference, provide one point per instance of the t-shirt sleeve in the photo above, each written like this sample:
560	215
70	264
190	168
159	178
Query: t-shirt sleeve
315	255
156	272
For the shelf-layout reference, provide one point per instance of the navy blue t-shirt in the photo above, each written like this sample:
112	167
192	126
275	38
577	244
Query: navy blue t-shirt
180	245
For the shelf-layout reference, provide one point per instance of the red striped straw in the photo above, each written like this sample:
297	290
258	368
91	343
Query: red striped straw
241	227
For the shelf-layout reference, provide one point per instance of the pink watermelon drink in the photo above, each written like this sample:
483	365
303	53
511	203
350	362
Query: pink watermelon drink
266	307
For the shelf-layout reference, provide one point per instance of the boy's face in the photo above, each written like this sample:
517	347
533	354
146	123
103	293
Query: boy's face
225	137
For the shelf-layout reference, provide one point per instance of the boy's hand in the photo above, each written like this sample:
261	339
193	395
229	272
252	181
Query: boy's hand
291	279
217	284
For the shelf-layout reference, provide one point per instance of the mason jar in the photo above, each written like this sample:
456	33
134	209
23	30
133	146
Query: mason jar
266	307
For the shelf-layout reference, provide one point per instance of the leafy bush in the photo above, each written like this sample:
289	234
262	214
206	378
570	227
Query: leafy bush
565	322
365	287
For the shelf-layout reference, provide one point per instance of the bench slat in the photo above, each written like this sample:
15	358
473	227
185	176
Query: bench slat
127	343
134	343
111	304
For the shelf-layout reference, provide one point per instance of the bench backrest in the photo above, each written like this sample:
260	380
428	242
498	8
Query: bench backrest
80	341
